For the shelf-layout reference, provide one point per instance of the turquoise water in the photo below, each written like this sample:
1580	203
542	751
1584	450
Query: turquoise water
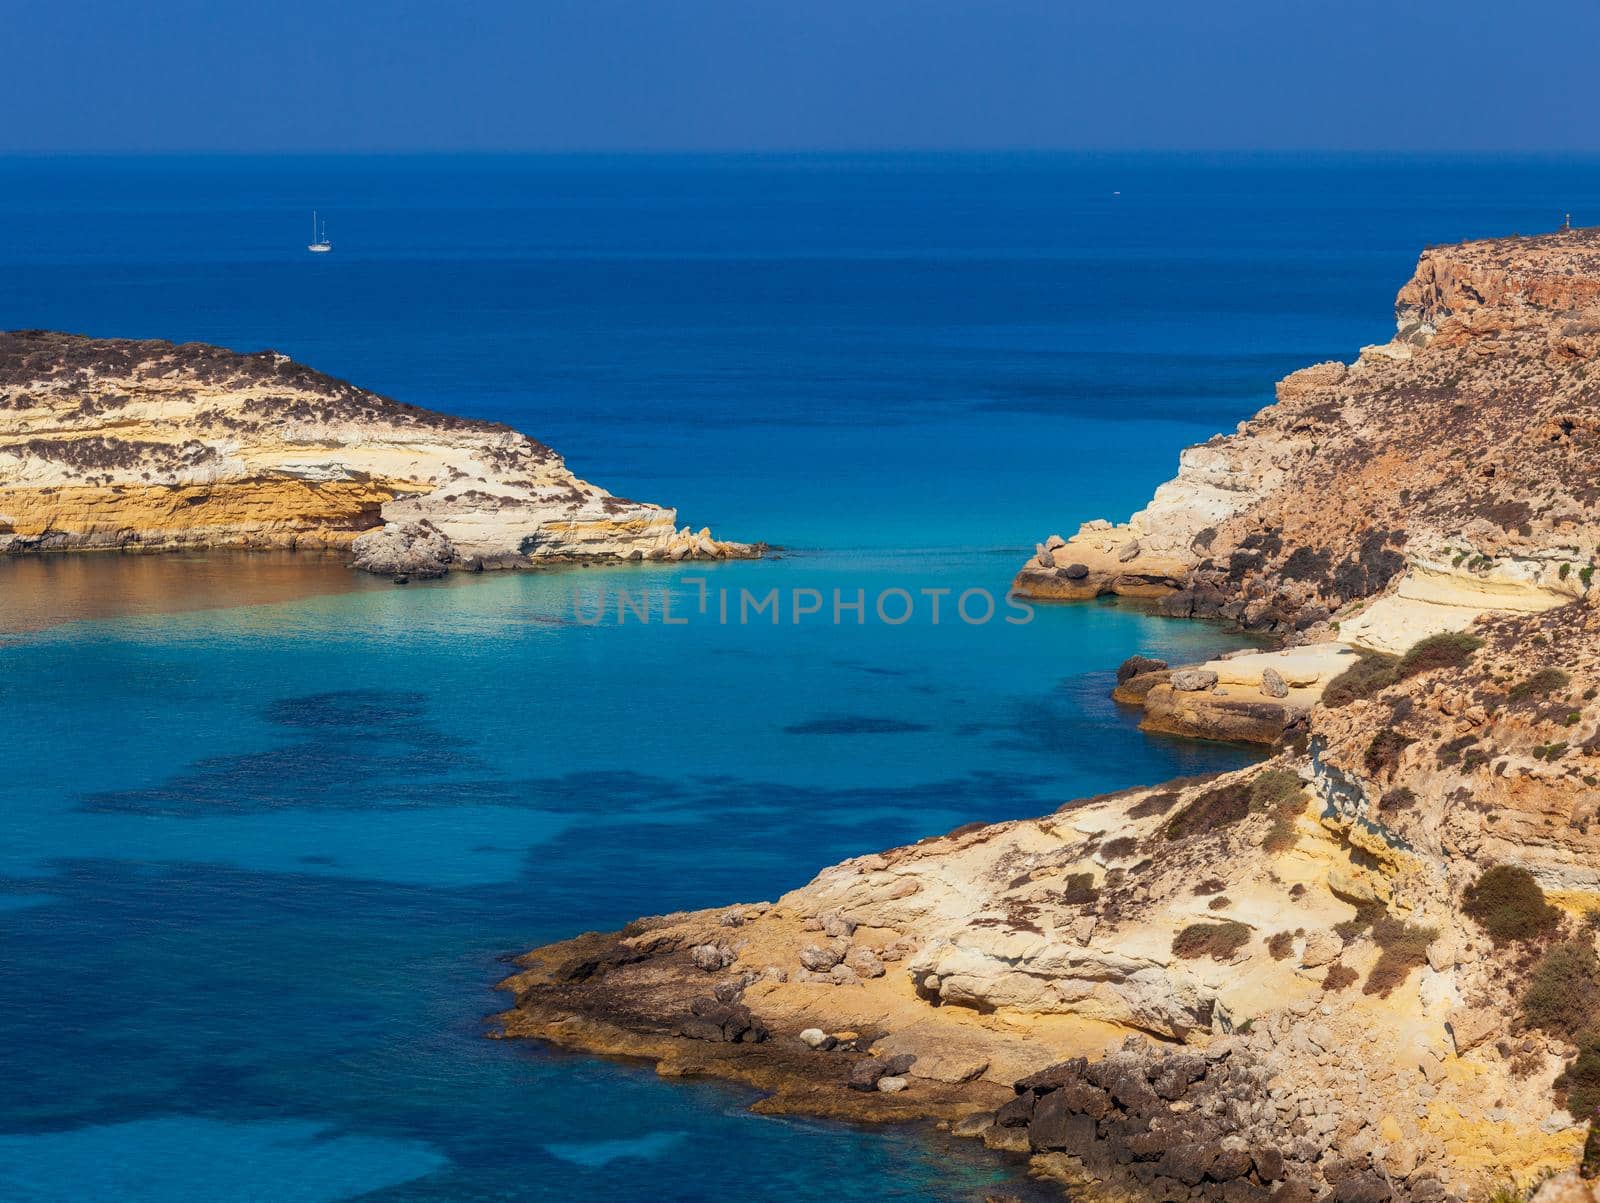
262	863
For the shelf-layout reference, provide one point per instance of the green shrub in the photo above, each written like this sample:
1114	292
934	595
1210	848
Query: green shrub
1220	807
1507	903
1371	673
1276	785
1219	941
1563	991
1545	681
1228	804
1579	1083
1451	649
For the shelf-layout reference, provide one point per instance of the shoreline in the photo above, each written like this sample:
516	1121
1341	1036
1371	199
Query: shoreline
1438	648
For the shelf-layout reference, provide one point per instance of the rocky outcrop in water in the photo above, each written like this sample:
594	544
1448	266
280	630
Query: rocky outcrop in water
143	445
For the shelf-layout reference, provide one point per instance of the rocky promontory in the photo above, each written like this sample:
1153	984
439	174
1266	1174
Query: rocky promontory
1446	473
146	445
1367	969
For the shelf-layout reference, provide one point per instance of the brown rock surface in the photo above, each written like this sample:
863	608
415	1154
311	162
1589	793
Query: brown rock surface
1464	450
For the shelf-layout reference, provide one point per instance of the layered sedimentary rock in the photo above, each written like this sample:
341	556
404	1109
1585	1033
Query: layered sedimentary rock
1363	970
117	443
1444	474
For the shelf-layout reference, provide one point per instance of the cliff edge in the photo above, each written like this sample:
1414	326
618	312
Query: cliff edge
1446	473
147	445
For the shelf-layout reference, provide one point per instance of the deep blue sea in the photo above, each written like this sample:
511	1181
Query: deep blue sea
269	830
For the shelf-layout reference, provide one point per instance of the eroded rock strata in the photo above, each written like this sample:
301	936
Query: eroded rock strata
143	445
1445	473
1363	970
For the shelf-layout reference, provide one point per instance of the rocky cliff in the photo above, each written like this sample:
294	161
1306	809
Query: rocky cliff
1448	472
117	443
1364	970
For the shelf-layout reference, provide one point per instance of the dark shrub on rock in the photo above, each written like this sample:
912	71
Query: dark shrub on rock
1545	681
1220	807
1339	977
1227	804
1580	1081
1563	991
1449	650
1383	753
1370	674
1507	903
1218	941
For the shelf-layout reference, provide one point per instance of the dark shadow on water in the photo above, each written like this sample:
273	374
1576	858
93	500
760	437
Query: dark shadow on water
854	724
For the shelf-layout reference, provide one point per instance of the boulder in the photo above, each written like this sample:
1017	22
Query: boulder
1017	1113
1076	572
892	1083
1193	680
1135	666
711	957
864	1075
1273	684
1269	1162
716	1021
409	549
1174	1074
972	1125
864	962
1055	1128
1053	1077
819	958
836	926
1322	948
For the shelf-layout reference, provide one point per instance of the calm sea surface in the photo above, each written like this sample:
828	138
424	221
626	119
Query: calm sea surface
269	829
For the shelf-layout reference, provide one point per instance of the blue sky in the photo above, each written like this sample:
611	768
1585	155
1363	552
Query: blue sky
374	75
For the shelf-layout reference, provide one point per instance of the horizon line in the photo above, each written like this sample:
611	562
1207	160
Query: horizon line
795	152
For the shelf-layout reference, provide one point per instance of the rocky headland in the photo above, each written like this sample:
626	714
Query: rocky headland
147	446
1363	970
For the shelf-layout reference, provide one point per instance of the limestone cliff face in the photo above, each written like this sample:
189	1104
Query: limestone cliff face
116	443
1449	472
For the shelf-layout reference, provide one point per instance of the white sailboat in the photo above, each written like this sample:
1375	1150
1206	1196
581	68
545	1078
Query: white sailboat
319	244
